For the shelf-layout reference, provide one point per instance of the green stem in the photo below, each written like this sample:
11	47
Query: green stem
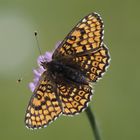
93	124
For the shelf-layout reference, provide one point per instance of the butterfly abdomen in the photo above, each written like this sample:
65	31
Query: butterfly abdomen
66	72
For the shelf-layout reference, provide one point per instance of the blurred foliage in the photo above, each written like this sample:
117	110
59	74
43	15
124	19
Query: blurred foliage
116	98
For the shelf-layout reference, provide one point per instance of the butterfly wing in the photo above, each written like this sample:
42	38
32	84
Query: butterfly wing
74	98
94	65
44	106
86	36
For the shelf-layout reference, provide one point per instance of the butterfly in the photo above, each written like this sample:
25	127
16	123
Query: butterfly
66	85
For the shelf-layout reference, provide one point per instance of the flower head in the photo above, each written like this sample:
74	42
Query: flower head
47	57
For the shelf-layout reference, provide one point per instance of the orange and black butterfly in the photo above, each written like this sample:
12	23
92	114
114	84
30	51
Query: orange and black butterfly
65	86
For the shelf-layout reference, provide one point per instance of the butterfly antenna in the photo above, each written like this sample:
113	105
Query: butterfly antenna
37	42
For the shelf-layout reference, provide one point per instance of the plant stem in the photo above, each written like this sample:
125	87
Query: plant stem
93	124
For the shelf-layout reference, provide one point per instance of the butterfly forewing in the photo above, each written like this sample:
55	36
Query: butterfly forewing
94	64
86	36
44	106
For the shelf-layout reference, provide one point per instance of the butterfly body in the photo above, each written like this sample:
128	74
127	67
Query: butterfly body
65	86
60	71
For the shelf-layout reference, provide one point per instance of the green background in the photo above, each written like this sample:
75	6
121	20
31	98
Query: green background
117	96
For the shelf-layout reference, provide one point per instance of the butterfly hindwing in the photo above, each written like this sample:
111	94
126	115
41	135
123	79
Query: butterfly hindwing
74	98
43	107
87	35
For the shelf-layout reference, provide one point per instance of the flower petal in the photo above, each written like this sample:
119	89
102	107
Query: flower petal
41	70
36	73
35	81
40	59
48	56
32	87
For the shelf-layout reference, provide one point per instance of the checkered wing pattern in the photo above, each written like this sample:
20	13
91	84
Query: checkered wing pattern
82	50
86	36
94	64
44	106
74	98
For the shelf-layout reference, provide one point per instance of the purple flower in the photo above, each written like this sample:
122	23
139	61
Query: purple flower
47	57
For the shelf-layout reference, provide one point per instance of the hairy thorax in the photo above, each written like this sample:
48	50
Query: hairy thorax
68	73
